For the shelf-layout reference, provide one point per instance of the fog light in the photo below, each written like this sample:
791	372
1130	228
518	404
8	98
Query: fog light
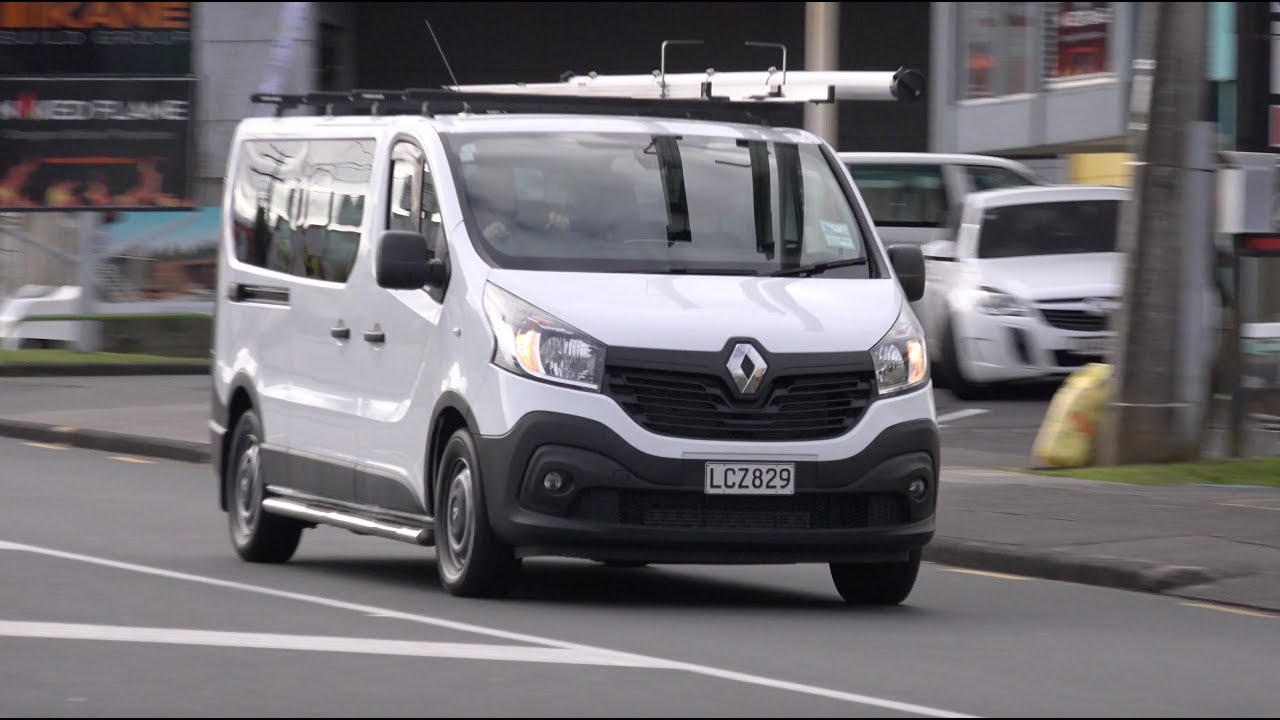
917	489
553	482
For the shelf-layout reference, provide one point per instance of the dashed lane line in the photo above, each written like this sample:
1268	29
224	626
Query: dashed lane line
983	573
126	458
45	446
960	415
1232	610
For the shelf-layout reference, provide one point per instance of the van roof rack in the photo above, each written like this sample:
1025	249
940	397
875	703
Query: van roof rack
750	94
436	101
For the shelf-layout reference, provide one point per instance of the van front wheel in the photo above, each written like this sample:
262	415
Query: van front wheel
876	583
470	558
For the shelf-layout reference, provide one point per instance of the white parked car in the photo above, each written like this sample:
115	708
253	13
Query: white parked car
911	195
625	339
1025	286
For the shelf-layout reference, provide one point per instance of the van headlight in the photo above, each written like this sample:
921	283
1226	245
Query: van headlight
900	359
537	344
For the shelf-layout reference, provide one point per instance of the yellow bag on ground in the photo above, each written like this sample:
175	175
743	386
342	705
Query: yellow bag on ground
1067	435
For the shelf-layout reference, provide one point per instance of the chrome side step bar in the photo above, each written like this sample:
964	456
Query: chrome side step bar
417	534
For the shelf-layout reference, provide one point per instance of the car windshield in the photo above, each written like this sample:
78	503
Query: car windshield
625	202
1051	228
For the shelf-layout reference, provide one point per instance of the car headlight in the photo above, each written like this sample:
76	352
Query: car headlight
900	359
537	344
994	302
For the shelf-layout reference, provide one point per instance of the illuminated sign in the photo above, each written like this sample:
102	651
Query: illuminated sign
113	38
105	144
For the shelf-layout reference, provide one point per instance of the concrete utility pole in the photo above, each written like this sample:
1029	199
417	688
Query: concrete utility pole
1146	420
822	52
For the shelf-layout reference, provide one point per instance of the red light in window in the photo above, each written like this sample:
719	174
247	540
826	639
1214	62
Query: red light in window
1262	244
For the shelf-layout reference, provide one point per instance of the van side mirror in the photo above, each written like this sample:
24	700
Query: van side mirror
403	262
908	263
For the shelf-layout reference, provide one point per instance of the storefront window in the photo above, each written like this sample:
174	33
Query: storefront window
1077	39
996	41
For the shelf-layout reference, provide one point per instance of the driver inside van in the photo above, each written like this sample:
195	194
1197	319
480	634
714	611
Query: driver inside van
491	192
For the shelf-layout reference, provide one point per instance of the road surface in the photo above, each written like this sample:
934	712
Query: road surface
122	596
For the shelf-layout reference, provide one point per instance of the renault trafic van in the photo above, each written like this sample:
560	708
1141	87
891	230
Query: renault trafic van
619	338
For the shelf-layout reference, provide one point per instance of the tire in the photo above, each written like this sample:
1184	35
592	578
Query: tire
257	535
876	583
470	558
952	371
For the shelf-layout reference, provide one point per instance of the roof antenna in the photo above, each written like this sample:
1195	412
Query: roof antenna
465	106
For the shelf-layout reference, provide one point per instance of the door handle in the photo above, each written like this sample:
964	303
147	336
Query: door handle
376	336
340	332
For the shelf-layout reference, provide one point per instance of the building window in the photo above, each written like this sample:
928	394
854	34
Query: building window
1077	39
996	39
331	68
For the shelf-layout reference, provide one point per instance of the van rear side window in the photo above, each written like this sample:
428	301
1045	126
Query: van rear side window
902	195
298	206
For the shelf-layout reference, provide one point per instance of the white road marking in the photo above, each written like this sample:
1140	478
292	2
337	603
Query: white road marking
46	446
961	414
315	643
1229	609
984	573
639	660
125	458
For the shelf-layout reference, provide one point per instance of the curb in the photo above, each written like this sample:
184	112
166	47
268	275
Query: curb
1112	572
184	451
102	369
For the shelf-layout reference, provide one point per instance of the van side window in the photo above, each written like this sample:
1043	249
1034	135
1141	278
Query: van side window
902	195
414	206
406	173
298	206
432	223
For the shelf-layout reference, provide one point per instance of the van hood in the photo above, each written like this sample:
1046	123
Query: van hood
702	312
1056	277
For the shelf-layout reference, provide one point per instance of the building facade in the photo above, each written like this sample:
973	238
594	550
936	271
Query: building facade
1046	82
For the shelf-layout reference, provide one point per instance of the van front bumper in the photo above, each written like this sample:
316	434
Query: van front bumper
621	504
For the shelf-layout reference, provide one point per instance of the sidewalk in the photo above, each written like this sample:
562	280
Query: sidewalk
1218	544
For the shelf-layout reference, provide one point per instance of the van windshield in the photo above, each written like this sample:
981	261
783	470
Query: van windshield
624	202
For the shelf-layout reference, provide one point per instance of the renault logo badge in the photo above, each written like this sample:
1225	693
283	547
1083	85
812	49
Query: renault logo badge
747	368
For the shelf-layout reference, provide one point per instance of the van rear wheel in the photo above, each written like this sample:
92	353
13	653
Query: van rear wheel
470	558
257	535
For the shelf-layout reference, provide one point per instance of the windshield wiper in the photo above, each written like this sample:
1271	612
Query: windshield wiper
683	270
815	268
686	270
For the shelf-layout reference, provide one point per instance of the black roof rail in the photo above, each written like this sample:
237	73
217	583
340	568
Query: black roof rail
431	101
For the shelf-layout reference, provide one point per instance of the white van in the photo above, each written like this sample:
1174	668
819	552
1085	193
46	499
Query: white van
911	195
625	339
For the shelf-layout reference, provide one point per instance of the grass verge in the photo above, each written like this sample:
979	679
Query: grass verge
1263	471
71	357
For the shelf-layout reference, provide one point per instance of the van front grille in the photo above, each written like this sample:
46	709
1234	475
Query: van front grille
808	406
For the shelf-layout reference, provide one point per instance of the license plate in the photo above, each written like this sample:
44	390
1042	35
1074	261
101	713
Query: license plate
751	479
1090	345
